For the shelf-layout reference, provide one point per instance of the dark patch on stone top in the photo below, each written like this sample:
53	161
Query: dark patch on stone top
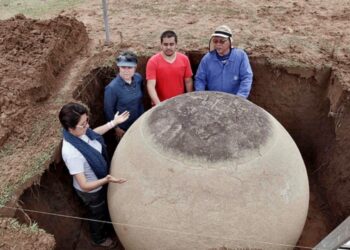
210	125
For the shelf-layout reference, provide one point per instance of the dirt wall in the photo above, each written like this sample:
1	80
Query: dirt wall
334	166
313	105
297	96
33	52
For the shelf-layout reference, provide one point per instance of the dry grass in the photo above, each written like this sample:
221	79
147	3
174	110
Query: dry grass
35	8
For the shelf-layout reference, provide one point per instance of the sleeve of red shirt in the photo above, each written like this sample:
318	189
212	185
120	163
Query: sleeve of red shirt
188	72
151	70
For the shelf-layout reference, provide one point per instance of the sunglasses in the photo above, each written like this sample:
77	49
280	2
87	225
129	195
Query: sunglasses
126	67
221	41
126	58
85	124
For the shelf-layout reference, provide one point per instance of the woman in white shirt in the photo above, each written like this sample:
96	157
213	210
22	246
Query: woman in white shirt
85	155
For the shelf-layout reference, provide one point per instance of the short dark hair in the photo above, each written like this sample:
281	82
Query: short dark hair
70	114
168	34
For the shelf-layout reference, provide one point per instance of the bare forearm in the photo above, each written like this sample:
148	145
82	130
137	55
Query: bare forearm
104	128
151	88
189	84
118	119
88	186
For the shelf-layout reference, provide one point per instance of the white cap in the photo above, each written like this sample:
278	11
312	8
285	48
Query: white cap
221	31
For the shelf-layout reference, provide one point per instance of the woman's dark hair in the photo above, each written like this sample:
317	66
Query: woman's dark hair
168	34
70	114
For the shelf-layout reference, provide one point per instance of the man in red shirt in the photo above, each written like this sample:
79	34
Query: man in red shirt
168	72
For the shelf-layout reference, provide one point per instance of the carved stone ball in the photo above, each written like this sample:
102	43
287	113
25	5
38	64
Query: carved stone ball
208	170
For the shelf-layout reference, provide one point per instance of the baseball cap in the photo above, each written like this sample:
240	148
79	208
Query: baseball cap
221	31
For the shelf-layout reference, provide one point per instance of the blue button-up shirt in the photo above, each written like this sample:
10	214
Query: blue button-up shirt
235	76
121	96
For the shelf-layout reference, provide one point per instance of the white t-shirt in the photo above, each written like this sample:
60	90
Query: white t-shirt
76	162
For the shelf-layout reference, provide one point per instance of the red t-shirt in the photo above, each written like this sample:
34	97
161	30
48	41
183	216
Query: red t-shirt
169	76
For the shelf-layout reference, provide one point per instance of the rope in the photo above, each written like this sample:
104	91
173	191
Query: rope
159	229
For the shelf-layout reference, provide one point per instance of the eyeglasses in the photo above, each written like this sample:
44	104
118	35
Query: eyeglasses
221	41
85	124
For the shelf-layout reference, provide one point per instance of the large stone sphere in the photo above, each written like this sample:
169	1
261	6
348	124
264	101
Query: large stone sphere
208	170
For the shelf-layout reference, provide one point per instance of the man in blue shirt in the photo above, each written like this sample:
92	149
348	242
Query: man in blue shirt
224	68
124	93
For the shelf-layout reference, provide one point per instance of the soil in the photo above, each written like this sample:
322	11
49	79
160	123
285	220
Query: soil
299	51
20	237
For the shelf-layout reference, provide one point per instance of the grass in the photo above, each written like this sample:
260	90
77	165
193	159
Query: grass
109	62
37	163
40	126
33	168
31	228
35	8
6	194
6	150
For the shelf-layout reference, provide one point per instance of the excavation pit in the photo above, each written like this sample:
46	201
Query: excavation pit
302	98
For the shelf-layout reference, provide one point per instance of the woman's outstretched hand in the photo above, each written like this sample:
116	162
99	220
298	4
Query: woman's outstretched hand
111	178
121	118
